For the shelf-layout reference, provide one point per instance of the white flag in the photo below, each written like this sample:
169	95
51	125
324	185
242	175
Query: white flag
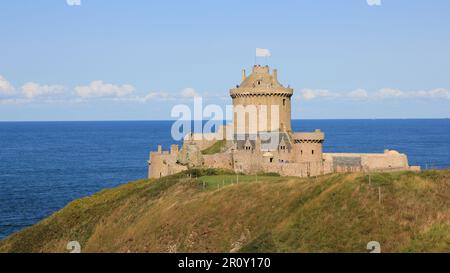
262	52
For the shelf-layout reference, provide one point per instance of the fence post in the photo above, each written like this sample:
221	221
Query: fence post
379	195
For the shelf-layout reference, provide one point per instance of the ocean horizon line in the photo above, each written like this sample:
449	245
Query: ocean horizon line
149	120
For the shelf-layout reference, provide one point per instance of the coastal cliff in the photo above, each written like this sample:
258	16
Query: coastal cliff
217	211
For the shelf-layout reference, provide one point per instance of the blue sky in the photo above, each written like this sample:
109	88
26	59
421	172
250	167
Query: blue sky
128	60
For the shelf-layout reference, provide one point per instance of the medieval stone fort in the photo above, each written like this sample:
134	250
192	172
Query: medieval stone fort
261	140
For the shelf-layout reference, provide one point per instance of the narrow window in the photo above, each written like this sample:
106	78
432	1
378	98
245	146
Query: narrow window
271	159
312	151
284	102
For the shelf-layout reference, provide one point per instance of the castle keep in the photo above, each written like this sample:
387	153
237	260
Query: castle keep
261	140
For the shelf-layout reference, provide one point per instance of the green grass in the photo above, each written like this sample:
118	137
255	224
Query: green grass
331	213
435	239
221	181
215	148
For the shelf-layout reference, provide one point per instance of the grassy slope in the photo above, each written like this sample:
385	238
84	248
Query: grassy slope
333	213
215	148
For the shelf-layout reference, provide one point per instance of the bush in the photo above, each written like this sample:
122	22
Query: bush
207	172
269	174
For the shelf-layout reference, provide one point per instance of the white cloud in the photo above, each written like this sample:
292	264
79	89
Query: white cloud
6	88
374	2
157	95
358	94
189	93
434	93
437	93
11	101
186	93
309	94
148	97
99	89
390	93
32	90
381	94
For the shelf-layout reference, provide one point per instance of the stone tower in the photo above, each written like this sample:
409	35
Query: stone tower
261	92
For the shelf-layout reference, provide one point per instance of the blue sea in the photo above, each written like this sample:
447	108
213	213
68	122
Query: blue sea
45	165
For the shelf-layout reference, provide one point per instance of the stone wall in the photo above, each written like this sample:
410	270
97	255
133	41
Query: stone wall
354	162
164	163
218	161
251	162
306	169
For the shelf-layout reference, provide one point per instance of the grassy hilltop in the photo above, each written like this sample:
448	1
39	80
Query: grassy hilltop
211	212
